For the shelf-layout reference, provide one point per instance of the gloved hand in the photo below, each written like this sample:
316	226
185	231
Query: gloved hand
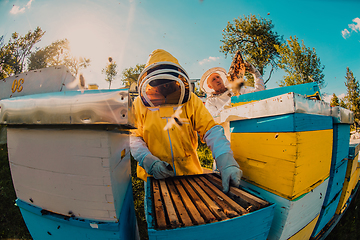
154	166
251	69
229	170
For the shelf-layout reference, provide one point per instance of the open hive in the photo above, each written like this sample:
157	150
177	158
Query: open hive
195	200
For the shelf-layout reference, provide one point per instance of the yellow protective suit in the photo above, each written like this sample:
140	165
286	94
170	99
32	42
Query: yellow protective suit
176	145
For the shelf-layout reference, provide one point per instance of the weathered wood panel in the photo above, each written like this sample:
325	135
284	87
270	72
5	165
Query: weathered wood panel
305	233
291	216
293	122
288	164
85	172
327	213
199	199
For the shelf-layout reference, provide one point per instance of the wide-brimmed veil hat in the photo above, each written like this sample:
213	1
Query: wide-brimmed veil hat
203	81
161	70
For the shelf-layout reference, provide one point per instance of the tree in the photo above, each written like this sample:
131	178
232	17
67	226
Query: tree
13	55
342	103
352	96
21	46
57	53
131	75
6	60
334	101
110	71
255	39
300	63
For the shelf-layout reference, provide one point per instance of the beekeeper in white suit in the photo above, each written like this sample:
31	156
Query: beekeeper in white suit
215	84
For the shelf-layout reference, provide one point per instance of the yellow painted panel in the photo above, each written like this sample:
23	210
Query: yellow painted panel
352	166
242	103
288	164
306	232
346	192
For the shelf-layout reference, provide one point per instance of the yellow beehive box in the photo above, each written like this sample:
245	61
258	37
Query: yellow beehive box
288	155
351	177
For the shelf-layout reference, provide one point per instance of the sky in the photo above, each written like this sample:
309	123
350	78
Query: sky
191	30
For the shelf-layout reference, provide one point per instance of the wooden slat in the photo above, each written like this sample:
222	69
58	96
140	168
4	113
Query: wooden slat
174	221
205	212
194	213
228	200
159	211
257	202
184	216
220	201
216	210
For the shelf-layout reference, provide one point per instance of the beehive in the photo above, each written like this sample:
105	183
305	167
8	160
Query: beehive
292	215
288	154
191	206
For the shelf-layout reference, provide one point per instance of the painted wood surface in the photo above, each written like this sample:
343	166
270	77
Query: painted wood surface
327	213
336	182
351	178
305	233
254	225
287	164
294	122
47	225
72	172
341	143
291	216
303	89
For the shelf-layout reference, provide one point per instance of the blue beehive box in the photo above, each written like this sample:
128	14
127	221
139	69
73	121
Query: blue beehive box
251	225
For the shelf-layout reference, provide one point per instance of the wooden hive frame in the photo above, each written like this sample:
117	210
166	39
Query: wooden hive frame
198	199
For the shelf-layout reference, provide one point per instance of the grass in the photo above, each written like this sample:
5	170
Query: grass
12	225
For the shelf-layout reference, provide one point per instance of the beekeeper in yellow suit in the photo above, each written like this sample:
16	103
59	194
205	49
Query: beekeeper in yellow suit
168	117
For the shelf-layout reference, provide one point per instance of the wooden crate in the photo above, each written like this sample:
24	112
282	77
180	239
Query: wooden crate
85	172
191	206
288	154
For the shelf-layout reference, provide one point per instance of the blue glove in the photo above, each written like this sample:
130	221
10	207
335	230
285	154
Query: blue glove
154	166
229	170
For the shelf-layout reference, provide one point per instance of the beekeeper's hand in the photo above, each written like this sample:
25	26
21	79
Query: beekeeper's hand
251	69
154	166
229	170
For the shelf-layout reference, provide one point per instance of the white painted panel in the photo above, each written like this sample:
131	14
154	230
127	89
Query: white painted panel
83	171
291	216
67	206
74	186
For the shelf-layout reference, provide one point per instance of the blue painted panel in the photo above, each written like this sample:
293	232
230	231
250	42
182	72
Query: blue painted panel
353	150
340	144
336	181
326	214
255	225
47	225
294	122
307	89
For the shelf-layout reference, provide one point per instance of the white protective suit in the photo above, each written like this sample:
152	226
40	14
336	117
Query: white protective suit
216	103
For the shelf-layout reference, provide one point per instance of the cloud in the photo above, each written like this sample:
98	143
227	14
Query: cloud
209	59
355	27
345	33
16	9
